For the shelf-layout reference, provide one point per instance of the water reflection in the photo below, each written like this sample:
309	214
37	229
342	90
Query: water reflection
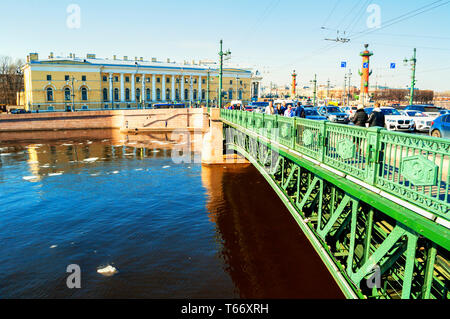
264	251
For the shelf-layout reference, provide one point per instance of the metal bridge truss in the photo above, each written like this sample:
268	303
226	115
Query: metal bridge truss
374	248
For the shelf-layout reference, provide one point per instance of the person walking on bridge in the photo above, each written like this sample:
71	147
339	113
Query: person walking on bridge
360	118
377	117
269	109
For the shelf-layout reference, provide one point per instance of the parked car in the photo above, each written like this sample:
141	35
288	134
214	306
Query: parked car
429	110
395	121
334	114
349	110
440	127
421	120
312	114
18	111
443	112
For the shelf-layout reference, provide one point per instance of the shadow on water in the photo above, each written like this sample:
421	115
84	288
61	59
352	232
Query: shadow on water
264	250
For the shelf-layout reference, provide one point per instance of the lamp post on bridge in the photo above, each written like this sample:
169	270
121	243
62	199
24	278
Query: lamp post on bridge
413	61
221	54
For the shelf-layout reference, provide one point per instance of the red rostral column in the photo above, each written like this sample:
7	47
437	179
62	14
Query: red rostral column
294	84
365	74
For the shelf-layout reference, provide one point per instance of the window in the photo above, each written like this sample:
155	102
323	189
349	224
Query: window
177	94
138	79
203	81
230	94
106	106
105	94
167	80
195	95
158	94
178	81
158	80
241	82
148	95
203	95
50	108
138	95
116	79
127	79
84	94
83	78
231	82
147	80
186	94
195	81
49	94
67	94
49	77
66	78
167	94
116	94
105	78
186	80
84	107
127	94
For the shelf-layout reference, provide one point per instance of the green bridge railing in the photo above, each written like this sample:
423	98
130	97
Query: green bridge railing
411	167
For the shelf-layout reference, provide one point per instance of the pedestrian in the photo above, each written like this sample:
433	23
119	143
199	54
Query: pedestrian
269	109
279	111
360	118
289	111
377	117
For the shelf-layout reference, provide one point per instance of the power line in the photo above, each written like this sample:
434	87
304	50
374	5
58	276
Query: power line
404	17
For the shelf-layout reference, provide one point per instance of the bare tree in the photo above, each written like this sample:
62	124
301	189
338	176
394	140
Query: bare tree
11	80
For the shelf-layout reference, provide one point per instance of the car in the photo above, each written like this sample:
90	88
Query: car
429	110
18	111
334	114
443	112
250	108
421	120
350	110
395	121
312	114
440	127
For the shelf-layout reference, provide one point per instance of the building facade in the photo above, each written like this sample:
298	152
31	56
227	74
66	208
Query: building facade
90	83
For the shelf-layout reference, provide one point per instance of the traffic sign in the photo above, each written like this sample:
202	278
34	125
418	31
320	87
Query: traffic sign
365	65
343	64
392	65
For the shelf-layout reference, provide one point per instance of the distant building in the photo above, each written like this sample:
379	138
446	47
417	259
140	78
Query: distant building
91	83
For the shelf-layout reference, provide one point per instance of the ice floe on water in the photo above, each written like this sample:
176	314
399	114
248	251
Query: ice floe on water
95	174
5	154
45	166
155	151
107	271
90	160
115	172
53	246
167	166
139	169
55	174
30	178
66	144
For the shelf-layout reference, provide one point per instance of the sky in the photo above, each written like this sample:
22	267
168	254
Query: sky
274	37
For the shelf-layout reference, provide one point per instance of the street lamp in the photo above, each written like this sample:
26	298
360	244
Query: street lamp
222	55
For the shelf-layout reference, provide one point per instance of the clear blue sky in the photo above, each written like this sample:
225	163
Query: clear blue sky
273	36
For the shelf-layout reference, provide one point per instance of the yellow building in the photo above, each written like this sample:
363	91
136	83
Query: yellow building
91	83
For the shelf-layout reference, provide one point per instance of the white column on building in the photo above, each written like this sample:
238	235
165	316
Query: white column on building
111	87
173	88
191	88
153	88
133	88
199	93
143	89
182	88
163	93
122	88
